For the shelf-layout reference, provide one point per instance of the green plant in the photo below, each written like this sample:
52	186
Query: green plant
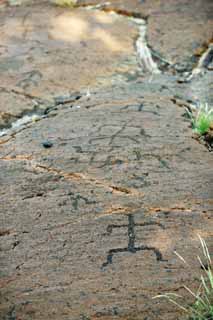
202	308
203	120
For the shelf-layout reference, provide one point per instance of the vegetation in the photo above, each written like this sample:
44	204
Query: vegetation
65	3
203	120
202	308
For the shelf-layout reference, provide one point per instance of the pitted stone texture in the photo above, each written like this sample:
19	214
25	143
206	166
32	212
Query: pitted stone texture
56	50
64	210
47	50
177	29
88	227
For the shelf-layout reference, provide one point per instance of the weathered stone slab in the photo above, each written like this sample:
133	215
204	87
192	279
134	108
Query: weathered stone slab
89	225
98	192
47	51
176	29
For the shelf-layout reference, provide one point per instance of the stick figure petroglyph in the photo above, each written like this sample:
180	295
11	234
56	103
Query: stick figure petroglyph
131	247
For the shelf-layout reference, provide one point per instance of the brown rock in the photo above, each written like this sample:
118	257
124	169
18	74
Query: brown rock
97	218
89	227
56	51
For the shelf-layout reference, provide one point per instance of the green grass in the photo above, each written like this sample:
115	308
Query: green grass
203	120
202	308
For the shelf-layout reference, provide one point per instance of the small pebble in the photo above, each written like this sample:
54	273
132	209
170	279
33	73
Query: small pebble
47	144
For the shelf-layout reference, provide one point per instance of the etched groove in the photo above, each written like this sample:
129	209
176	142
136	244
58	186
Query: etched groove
131	247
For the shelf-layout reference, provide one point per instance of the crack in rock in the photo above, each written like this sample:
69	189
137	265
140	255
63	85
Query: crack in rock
144	54
80	176
203	63
4	232
17	157
109	8
142	49
38	111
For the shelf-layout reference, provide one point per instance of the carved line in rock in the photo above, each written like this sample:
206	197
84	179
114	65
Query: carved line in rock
78	197
117	134
131	247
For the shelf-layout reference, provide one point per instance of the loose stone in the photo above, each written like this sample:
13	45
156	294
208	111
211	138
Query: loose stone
47	144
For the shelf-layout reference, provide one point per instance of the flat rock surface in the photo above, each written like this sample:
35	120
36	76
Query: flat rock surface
100	190
176	29
46	50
